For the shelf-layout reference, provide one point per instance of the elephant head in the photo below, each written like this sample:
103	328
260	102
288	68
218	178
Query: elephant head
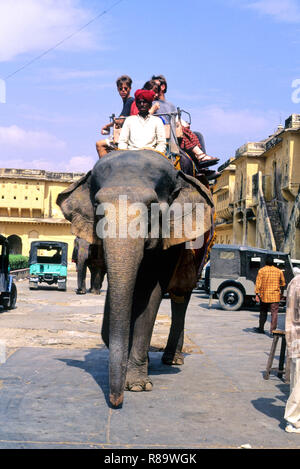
149	179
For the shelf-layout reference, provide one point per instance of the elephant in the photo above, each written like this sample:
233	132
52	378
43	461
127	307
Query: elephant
86	255
140	269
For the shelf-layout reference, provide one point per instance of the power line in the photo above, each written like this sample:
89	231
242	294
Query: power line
35	59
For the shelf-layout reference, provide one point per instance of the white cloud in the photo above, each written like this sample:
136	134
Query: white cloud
20	163
80	164
235	121
31	149
28	26
281	10
16	137
77	164
210	95
27	149
226	129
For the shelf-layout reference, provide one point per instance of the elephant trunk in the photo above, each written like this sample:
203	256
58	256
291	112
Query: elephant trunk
123	258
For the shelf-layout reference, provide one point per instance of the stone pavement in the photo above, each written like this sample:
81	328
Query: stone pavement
54	383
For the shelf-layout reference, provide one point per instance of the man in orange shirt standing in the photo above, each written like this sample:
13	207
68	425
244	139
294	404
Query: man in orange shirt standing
269	288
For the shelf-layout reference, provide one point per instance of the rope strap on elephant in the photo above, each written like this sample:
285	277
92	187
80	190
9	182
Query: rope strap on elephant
189	267
181	162
186	272
177	161
184	277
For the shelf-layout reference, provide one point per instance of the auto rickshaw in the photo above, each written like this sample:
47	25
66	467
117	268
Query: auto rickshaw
233	272
48	261
8	289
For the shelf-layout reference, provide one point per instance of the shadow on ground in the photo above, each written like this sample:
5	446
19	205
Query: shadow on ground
267	405
96	363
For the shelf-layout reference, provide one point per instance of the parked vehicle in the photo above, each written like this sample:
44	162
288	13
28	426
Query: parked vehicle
296	266
203	282
8	289
233	272
48	261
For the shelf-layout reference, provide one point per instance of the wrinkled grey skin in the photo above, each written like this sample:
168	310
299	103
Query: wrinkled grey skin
138	270
88	256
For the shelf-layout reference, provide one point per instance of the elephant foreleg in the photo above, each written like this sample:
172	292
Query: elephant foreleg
137	378
173	352
97	277
105	322
81	276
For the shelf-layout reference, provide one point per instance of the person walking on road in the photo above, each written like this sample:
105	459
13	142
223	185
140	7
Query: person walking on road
269	288
292	335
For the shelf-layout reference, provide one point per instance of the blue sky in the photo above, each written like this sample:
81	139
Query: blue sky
230	63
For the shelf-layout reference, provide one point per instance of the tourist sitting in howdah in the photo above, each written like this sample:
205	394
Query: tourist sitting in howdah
124	84
143	130
146	120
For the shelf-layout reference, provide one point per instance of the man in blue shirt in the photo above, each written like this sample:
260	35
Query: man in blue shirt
124	84
165	107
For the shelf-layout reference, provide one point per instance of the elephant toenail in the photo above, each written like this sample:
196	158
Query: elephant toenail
179	361
148	386
136	388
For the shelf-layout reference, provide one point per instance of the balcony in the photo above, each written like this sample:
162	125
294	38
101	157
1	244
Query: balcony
251	149
273	142
225	213
39	175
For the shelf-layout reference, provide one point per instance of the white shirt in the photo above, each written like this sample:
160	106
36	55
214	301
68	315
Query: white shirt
138	133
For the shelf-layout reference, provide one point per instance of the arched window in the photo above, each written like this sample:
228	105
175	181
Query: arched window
15	244
33	234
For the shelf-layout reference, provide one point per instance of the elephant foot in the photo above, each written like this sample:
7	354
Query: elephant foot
80	292
139	386
172	359
137	378
94	292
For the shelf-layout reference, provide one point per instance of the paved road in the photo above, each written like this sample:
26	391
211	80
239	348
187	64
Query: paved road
54	383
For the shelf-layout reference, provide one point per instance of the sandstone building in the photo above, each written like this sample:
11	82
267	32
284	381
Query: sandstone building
257	196
28	210
223	196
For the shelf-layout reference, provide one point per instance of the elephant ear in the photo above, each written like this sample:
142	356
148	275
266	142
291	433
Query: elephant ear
77	206
191	212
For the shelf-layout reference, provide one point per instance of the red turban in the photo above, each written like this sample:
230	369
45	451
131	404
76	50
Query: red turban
147	95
